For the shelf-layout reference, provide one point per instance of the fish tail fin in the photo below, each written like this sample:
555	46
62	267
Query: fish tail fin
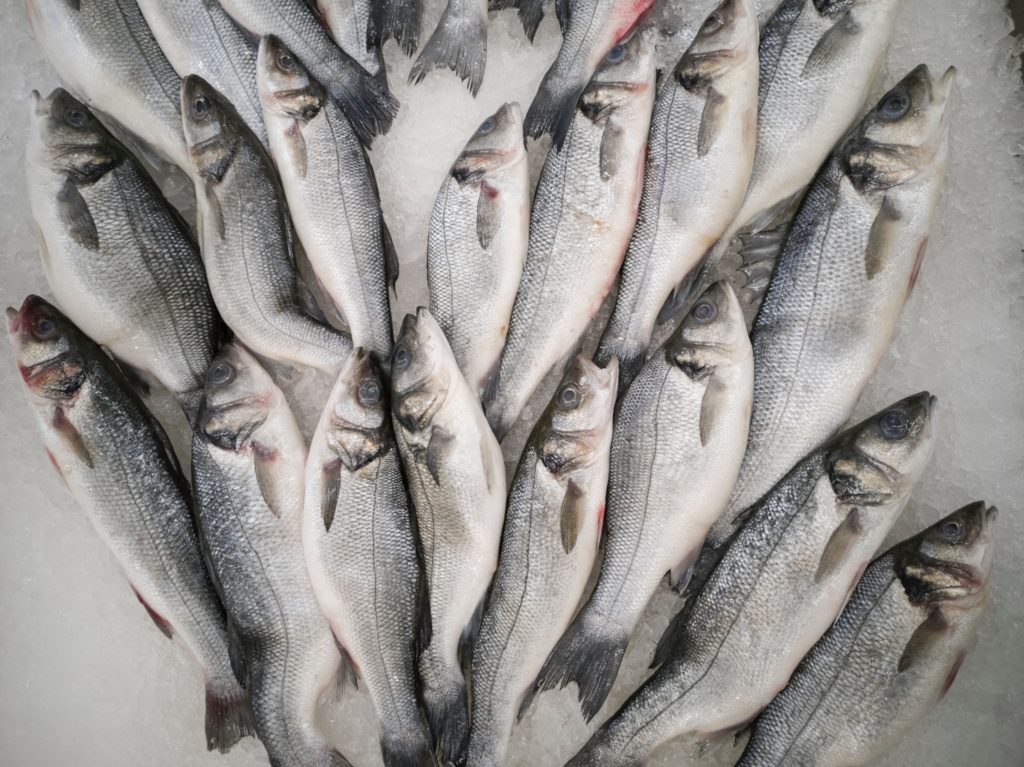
531	13
405	749
460	43
448	717
630	355
553	108
399	19
228	715
366	102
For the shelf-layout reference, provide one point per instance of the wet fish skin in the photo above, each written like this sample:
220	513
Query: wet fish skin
477	241
459	42
892	654
248	467
700	154
846	269
398	19
548	548
349	24
332	195
116	254
246	237
777	588
360	549
118	465
457	481
583	214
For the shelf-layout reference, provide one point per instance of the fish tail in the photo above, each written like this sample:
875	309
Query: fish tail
399	19
460	43
405	749
228	715
553	108
366	102
448	717
531	13
630	356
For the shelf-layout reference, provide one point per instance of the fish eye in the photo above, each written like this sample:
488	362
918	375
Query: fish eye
616	54
569	396
369	392
402	357
200	106
44	328
705	311
486	127
952	530
221	372
712	24
894	425
285	61
895	105
75	117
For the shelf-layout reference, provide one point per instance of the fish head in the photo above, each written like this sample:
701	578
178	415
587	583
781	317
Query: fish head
710	331
356	427
212	127
238	397
49	350
286	86
578	420
624	76
497	143
904	136
419	375
727	38
878	461
67	138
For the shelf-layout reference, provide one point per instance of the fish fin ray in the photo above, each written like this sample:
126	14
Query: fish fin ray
832	44
839	544
572	515
711	120
75	215
488	214
439	442
459	42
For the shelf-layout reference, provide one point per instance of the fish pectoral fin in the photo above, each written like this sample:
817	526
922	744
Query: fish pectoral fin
439	442
70	435
348	671
832	44
611	150
296	144
75	216
264	462
488	214
391	264
490	458
331	479
711	120
214	207
573	509
680	575
925	640
526	701
158	620
839	544
881	239
715	401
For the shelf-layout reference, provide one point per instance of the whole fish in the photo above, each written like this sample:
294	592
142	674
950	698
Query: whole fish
846	269
548	547
248	465
118	464
360	547
118	257
332	195
477	243
398	19
104	52
591	29
890	657
366	102
676	449
199	38
457	480
699	156
349	24
459	42
246	238
583	213
780	584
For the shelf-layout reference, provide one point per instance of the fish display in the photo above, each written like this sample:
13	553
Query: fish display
349	24
459	42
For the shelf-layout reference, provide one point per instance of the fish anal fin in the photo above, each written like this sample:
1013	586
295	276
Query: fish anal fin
74	214
440	439
488	214
158	620
924	641
839	544
573	509
70	435
711	119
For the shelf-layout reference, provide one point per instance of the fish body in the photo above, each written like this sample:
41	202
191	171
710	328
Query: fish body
777	588
890	657
583	213
477	243
459	42
349	24
118	257
118	464
248	467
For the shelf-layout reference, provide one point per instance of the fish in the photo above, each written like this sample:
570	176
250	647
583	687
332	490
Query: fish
248	475
548	547
456	477
459	42
349	25
364	99
845	271
891	656
118	465
332	196
119	258
699	158
246	238
778	586
105	54
679	434
476	244
361	551
398	19
583	213
591	29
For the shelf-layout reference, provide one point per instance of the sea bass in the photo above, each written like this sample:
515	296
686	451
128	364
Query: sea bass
248	465
118	257
548	547
699	157
459	42
332	196
398	19
477	243
457	479
349	24
846	269
780	584
679	436
890	657
118	464
246	237
583	213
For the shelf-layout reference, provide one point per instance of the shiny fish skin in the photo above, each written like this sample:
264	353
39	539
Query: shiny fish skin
248	466
105	53
457	481
700	153
846	269
583	214
332	195
676	449
118	465
777	589
349	22
459	42
548	547
118	257
477	244
360	549
246	238
890	657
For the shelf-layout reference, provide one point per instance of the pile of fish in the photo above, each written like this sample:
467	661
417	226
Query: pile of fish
754	228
